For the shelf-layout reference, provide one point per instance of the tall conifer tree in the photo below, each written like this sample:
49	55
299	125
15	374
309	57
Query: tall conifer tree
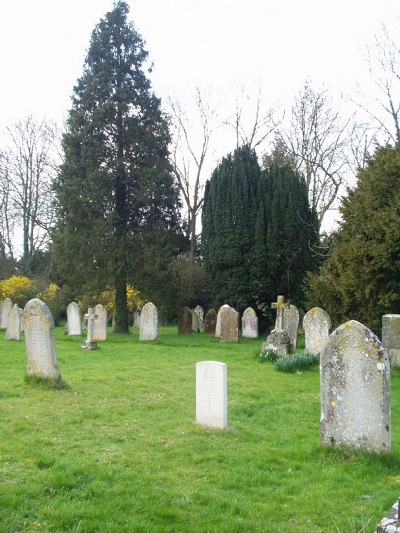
115	185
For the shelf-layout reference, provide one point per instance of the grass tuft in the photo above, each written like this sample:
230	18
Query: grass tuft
47	383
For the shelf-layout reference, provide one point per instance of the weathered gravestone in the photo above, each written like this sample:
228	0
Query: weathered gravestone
316	325
200	314
5	309
229	325
100	324
185	321
250	324
14	324
136	319
221	311
212	394
291	324
278	340
148	322
74	319
38	325
391	337
195	321
90	320
210	321
355	390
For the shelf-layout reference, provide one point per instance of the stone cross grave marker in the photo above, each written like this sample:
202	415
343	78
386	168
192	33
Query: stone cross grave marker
391	337
210	321
38	325
212	394
14	324
148	322
316	325
250	324
355	390
278	340
100	324
90	320
229	325
185	321
5	310
74	319
280	306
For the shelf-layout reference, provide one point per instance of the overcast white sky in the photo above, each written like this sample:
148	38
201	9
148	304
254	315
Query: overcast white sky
213	43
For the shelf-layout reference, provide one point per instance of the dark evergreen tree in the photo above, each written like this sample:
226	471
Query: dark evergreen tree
116	198
360	280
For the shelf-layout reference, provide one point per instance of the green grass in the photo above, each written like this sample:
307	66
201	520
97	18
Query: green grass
117	447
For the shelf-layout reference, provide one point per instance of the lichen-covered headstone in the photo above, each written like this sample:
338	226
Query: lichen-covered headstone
74	319
211	394
100	324
14	324
210	321
229	324
200	313
38	326
148	322
316	325
291	323
391	337
250	324
5	309
355	390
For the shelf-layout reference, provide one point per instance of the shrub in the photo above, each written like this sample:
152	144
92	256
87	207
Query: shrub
297	362
107	299
51	296
18	288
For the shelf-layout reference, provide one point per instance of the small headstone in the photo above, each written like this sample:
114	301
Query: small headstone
291	324
136	319
100	324
185	321
5	309
391	337
250	324
316	325
210	321
278	341
74	319
195	322
229	325
14	324
38	325
148	322
90	320
212	394
200	313
355	390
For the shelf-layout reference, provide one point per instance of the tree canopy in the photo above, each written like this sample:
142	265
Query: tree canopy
117	201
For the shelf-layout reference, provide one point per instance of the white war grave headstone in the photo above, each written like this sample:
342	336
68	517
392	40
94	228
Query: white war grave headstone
148	322
316	326
212	394
250	324
355	390
391	337
74	319
90	319
100	324
14	324
38	325
5	309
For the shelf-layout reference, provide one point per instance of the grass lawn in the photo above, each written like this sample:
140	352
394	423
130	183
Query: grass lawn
119	450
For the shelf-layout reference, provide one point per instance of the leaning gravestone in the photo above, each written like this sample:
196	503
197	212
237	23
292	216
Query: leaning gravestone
211	394
100	324
210	321
5	310
14	324
185	321
74	319
391	337
316	325
148	323
229	325
291	324
38	325
355	390
250	324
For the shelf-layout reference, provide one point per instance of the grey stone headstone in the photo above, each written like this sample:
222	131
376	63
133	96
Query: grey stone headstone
355	390
391	337
218	323
5	309
316	325
200	313
291	323
210	321
14	324
74	319
148	322
211	394
229	325
38	326
100	324
250	324
185	321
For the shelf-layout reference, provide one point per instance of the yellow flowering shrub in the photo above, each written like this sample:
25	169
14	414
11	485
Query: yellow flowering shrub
107	299
19	289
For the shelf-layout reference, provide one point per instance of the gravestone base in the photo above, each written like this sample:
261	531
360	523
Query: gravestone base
90	345
278	342
391	523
